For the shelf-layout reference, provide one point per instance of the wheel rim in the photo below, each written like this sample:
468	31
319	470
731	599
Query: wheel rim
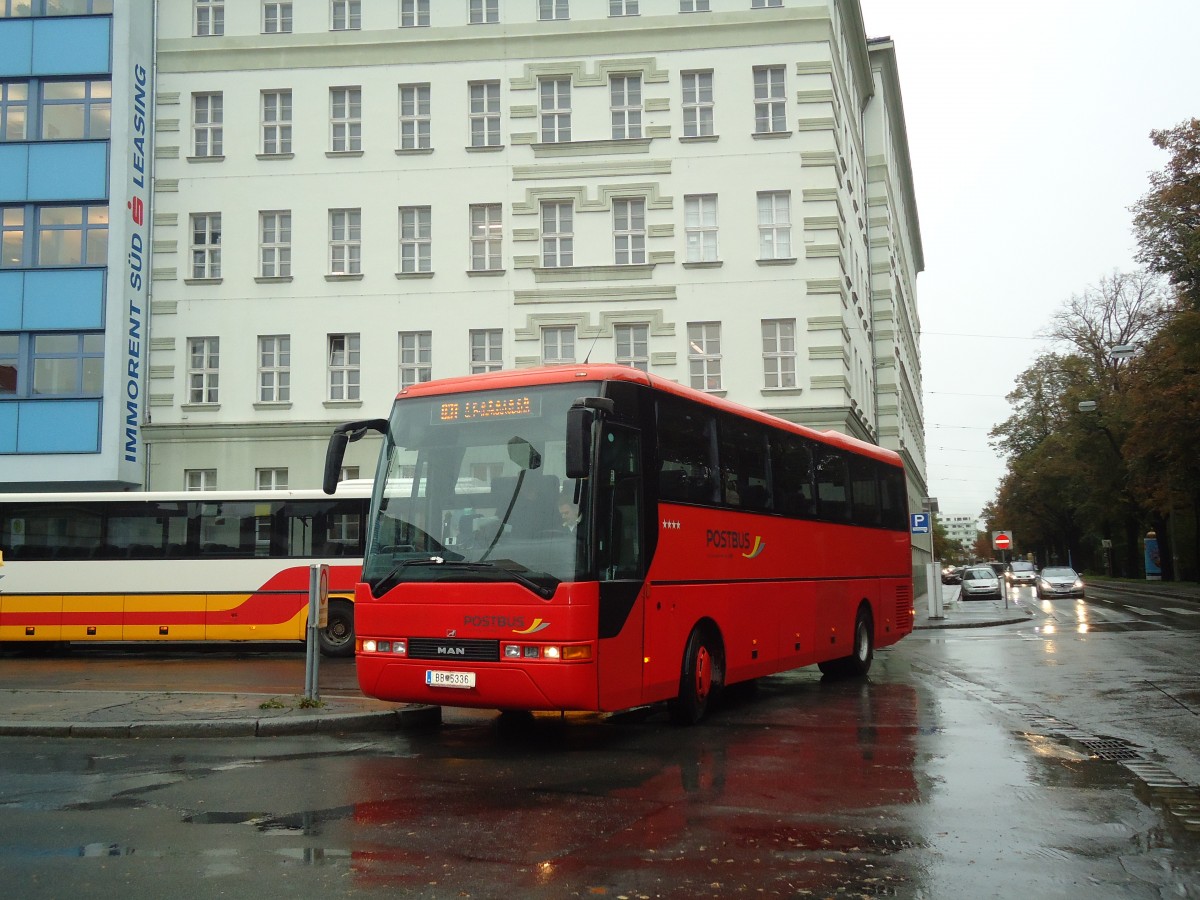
338	631
863	642
703	673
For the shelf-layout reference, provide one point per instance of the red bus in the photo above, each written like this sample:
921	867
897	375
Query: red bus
180	566
595	538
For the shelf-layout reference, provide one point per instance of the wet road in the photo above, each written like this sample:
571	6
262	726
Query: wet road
963	768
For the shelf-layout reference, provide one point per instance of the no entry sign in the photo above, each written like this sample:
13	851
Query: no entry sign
1001	540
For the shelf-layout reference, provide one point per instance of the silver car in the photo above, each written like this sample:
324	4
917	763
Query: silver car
1059	581
979	583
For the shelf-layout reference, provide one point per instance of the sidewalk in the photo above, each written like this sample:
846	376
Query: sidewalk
974	613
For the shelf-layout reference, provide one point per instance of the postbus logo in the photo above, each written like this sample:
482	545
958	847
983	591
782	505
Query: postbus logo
750	545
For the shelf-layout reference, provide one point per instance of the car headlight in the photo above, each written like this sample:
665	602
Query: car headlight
1078	583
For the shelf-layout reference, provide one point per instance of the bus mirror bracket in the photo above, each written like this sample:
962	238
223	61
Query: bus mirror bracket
580	416
336	451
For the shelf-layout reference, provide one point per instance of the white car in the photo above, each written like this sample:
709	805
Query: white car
979	583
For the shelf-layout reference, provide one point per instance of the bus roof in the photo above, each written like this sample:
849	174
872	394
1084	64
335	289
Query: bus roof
591	372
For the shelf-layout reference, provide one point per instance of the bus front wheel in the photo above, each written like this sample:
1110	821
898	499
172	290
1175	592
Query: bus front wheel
700	679
337	638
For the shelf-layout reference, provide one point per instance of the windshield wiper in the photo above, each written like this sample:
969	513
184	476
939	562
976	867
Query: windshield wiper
512	569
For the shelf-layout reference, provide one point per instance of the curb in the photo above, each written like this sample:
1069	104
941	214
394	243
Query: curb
414	716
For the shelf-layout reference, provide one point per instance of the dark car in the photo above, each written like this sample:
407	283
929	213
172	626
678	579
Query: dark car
1059	581
952	575
979	583
1021	572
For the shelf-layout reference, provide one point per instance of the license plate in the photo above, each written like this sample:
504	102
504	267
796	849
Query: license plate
436	678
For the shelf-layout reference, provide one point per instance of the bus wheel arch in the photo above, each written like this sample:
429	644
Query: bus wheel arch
701	675
337	638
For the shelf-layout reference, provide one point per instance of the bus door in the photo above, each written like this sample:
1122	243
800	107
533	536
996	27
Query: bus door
620	563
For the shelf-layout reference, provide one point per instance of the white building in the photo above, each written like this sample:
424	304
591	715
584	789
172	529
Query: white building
961	529
354	196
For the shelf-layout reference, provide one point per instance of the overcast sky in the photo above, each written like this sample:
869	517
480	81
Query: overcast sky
1028	126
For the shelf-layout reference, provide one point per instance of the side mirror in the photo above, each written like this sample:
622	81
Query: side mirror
523	454
580	417
336	451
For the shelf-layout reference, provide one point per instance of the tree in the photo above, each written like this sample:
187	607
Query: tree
1167	219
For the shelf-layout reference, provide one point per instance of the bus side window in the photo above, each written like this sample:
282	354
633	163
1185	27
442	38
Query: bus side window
792	475
619	509
833	494
687	451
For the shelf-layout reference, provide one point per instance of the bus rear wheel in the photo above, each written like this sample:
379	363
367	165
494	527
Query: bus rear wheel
337	638
858	663
701	677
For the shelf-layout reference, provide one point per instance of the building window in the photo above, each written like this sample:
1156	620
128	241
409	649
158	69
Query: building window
271	479
414	117
486	350
416	357
486	234
693	6
207	130
769	100
554	101
774	225
345	15
629	231
779	352
276	122
633	345
275	243
625	106
704	355
414	13
68	365
276	18
14	110
698	104
484	12
622	7
73	110
345	242
558	239
68	235
10	363
199	479
485	113
345	119
210	18
204	378
763	4
553	9
12	238
274	368
700	227
416	239
558	344
206	245
343	367
26	8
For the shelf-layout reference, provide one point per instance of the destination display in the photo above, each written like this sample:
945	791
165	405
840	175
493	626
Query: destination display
487	406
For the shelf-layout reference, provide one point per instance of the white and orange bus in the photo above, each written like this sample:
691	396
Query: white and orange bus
188	566
594	538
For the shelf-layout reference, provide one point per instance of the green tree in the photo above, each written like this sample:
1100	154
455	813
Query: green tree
1167	219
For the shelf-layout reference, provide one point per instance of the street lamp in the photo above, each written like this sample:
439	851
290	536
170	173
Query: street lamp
1122	351
1087	405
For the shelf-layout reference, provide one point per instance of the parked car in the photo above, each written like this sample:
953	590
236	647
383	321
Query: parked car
1059	581
979	583
1021	572
952	575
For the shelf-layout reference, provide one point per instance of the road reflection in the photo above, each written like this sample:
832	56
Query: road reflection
799	788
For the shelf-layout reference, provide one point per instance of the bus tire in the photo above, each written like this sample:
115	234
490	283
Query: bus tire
858	663
702	674
337	638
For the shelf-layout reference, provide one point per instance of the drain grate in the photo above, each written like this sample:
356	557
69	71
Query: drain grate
1111	749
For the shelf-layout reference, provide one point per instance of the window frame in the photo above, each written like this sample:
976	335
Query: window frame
701	236
770	99
486	353
274	368
205	254
557	243
208	18
415	351
275	243
625	106
554	109
483	114
554	10
629	231
631	345
275	111
704	356
345	119
343	362
276	17
349	12
414	13
92	235
416	239
779	363
345	241
698	102
204	371
486	237
414	105
774	230
208	134
556	338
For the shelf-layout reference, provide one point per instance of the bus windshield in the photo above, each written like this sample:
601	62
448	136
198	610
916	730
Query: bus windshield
472	488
